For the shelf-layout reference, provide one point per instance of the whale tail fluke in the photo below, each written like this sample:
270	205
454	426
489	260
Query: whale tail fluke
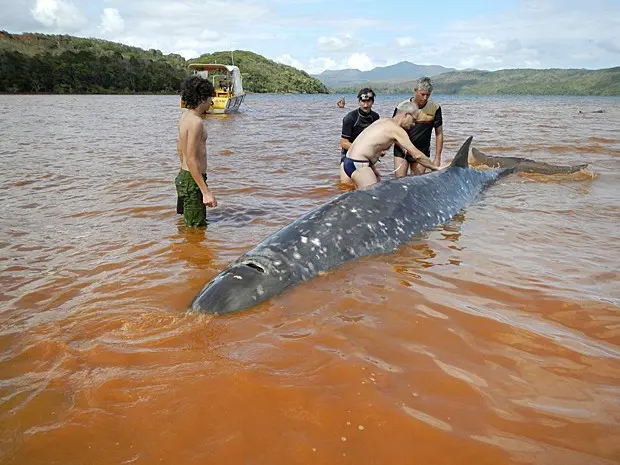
523	165
460	159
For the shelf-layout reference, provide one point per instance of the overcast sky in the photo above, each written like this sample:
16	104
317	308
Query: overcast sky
315	35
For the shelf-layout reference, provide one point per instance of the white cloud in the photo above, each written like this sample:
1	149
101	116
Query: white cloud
405	41
58	14
550	33
318	65
289	60
334	43
210	35
111	22
187	53
360	61
484	44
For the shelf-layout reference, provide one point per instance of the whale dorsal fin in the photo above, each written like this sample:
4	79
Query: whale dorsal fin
460	159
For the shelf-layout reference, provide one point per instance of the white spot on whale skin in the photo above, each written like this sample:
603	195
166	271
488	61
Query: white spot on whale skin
260	290
296	255
316	242
304	239
328	224
237	276
277	263
353	210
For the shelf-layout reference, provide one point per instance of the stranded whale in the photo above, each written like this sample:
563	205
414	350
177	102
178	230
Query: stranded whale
363	222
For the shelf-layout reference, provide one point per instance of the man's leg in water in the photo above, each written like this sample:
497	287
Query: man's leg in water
364	177
376	171
400	167
194	211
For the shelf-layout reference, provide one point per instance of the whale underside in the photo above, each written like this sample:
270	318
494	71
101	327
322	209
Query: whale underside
370	221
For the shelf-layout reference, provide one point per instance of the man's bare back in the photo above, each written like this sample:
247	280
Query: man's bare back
372	143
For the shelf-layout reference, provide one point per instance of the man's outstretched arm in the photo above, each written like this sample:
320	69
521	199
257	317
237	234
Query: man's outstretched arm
403	140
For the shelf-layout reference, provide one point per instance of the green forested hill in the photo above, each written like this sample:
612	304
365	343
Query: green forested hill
66	64
263	75
513	82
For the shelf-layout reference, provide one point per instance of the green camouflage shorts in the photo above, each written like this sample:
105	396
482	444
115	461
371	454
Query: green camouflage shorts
189	202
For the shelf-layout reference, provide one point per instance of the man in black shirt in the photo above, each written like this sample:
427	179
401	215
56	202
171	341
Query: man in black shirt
420	133
354	123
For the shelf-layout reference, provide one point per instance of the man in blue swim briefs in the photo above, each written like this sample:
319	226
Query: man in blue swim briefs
371	144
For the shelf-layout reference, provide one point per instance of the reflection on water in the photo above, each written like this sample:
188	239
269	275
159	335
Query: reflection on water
493	339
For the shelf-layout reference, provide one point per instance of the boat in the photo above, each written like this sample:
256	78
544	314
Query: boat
228	84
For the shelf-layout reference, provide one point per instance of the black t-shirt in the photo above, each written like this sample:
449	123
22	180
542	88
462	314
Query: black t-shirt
354	123
420	133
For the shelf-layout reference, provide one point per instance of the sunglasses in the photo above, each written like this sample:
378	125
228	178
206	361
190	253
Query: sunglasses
367	97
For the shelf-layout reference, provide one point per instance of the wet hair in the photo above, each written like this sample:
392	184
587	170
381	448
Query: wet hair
366	92
196	90
425	84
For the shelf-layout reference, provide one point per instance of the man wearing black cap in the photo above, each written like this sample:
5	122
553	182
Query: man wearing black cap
354	123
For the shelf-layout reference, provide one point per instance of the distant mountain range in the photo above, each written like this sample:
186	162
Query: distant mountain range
399	72
401	78
508	82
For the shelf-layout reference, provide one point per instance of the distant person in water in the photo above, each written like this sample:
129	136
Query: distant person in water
420	134
341	103
191	182
354	123
370	145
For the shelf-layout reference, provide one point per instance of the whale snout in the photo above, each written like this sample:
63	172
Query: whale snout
237	287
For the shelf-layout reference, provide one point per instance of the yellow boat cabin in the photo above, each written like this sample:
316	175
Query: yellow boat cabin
228	86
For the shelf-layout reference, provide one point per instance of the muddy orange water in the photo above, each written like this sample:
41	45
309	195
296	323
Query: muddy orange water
494	339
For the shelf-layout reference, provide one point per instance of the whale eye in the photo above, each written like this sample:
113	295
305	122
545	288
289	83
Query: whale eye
255	266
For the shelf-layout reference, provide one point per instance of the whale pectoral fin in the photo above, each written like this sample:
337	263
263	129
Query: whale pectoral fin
460	159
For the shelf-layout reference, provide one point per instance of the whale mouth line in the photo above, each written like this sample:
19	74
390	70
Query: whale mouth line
255	266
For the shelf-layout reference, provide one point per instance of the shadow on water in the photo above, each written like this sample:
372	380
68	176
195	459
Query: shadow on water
234	215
